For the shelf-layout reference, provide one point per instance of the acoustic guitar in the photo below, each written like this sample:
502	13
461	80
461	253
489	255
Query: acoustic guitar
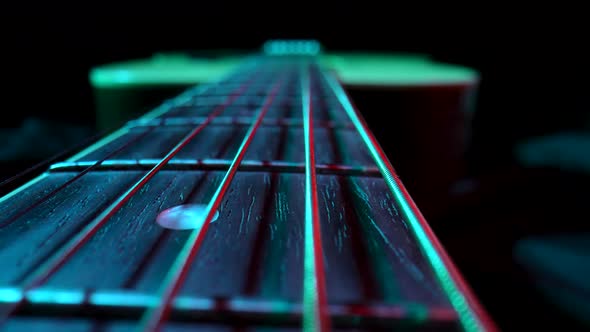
259	201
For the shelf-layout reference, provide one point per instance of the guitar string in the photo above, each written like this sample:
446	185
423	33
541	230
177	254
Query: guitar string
157	114
471	314
90	168
44	271
315	317
59	156
96	164
358	242
166	234
86	170
156	315
252	282
357	128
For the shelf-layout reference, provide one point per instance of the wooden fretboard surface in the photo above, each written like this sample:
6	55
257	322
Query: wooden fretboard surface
309	231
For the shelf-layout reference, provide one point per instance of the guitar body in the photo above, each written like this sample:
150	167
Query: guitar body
259	200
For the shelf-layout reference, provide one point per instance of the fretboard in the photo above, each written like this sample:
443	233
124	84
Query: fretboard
258	201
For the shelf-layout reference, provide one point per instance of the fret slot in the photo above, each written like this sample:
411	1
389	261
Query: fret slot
221	142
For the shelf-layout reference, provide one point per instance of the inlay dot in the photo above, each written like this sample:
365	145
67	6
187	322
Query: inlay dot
186	216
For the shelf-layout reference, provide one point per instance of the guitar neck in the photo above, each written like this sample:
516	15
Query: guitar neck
261	199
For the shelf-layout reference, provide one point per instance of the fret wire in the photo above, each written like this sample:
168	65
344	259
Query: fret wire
159	243
471	314
70	181
198	90
315	317
150	116
166	107
131	303
155	316
233	120
217	164
44	271
186	101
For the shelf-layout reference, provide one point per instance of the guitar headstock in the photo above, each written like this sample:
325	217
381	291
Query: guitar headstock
292	47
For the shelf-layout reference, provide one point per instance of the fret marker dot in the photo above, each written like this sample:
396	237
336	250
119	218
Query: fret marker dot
186	216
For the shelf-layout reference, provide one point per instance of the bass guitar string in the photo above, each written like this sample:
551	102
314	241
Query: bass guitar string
153	319
471	314
44	271
96	164
52	193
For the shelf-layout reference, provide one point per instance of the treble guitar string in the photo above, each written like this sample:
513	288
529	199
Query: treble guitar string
188	198
44	271
471	314
79	146
79	174
358	243
315	316
156	315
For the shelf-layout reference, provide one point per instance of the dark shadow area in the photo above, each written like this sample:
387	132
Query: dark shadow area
526	169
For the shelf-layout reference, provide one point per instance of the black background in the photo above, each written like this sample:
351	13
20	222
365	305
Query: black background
533	66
